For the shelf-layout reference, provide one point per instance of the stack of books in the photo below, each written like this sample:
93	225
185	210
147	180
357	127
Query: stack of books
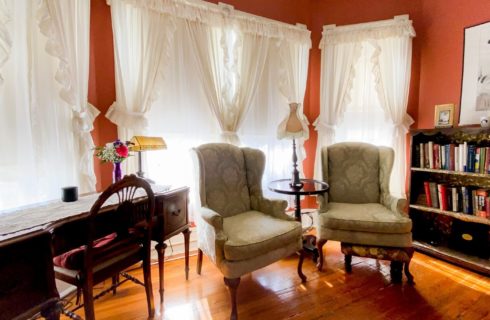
462	157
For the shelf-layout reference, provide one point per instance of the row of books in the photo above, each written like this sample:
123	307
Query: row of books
466	199
455	157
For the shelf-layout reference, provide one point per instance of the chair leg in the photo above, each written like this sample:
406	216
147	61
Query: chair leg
301	254
408	274
79	295
199	261
160	248
88	300
52	312
148	286
115	282
396	271
348	263
232	285
319	245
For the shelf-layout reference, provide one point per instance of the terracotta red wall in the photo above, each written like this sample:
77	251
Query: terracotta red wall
436	63
443	23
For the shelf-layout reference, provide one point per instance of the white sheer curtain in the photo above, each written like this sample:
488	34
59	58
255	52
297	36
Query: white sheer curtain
5	39
229	63
66	24
41	144
336	78
376	89
392	67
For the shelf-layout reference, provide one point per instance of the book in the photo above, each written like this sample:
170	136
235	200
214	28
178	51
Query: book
427	194
451	157
454	199
430	147
466	200
474	204
442	196
443	156
465	156
416	156
437	156
476	165
433	194
470	161
426	155
422	156
487	207
483	156
487	160
481	195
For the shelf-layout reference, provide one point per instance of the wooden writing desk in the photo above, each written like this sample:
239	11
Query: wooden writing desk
171	218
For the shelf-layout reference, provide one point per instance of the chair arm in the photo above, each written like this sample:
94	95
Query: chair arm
273	207
211	236
398	205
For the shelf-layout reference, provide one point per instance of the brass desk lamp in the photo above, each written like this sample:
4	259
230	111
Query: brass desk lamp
141	144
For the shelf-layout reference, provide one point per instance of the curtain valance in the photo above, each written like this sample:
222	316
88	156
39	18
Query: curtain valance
222	15
399	26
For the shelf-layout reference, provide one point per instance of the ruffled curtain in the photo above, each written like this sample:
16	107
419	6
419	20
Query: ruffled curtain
341	48
66	25
392	65
230	64
293	71
5	39
142	39
336	78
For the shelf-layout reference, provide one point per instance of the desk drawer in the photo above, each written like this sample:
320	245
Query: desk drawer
175	212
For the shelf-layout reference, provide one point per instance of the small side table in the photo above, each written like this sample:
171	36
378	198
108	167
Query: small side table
310	187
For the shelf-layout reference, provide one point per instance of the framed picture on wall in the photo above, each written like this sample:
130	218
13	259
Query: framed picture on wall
444	115
475	90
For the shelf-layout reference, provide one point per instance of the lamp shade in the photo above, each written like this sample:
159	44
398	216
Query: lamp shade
142	143
294	126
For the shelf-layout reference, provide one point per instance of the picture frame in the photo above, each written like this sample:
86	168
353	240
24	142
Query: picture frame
444	115
475	88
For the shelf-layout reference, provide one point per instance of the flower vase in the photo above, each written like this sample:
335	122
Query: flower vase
117	172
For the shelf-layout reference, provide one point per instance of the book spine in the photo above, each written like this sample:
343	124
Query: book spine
437	156
426	155
430	147
487	207
483	156
465	197
422	157
427	193
476	165
470	161
474	203
455	199
465	156
443	156
481	195
442	194
487	160
451	157
433	194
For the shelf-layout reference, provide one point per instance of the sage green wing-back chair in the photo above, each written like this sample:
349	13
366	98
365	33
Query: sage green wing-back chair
238	229
358	209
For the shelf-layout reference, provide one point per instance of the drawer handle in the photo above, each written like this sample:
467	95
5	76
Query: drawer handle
176	213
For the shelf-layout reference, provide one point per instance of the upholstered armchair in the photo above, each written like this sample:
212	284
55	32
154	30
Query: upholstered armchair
238	229
358	209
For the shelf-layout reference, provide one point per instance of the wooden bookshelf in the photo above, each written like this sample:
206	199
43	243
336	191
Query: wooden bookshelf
457	237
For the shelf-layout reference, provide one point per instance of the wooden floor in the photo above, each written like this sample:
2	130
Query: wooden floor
442	291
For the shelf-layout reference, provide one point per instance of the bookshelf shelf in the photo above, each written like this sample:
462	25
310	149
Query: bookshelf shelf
458	173
450	234
468	261
457	215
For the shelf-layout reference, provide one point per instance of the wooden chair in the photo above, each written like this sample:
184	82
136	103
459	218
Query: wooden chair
118	236
27	283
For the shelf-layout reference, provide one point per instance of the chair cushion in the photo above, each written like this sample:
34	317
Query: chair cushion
366	217
73	259
253	233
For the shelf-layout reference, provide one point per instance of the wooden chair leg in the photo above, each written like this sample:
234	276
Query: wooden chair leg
348	263
88	300
199	261
160	248
115	282
148	286
301	254
407	273
319	245
232	285
79	295
187	234
396	271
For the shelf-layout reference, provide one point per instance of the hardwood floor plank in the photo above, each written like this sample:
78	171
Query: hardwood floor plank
442	291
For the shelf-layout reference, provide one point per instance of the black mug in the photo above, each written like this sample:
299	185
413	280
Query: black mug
69	194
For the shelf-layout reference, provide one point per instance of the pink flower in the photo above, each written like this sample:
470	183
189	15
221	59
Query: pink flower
122	151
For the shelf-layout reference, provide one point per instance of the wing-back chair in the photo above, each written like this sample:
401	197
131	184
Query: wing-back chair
238	229
358	209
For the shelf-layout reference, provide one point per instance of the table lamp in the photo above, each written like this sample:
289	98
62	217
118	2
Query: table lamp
140	144
293	128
